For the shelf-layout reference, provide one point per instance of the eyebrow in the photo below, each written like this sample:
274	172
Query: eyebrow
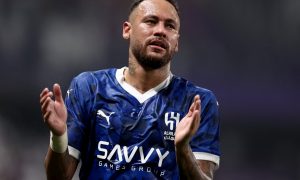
168	20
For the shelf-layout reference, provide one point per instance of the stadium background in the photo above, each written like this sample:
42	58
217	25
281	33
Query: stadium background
247	52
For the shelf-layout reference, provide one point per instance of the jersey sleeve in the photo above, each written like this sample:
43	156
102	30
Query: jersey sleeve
206	142
78	103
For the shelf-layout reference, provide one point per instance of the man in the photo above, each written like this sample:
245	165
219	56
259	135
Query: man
137	122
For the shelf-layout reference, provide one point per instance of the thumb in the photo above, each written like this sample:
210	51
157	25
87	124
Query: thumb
57	93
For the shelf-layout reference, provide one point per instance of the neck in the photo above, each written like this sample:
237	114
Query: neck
142	79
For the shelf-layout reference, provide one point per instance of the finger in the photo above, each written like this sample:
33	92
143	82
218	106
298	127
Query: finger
197	97
57	93
197	104
45	91
191	109
197	110
196	121
46	105
45	96
196	115
197	101
46	116
193	106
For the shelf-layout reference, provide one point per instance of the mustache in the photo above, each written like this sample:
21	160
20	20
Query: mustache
158	42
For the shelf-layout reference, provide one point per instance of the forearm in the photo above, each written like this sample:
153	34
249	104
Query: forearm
189	167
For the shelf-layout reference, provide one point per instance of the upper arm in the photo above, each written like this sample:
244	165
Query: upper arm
207	168
72	165
60	165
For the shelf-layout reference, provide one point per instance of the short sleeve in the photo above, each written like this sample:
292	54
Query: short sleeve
78	104
206	142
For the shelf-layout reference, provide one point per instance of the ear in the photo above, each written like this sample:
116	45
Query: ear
126	30
176	47
177	44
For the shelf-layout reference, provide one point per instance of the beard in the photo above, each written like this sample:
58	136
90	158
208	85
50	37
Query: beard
148	61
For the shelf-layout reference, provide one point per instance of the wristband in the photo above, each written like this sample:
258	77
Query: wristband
59	144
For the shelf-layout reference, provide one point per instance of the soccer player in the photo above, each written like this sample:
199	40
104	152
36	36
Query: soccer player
136	122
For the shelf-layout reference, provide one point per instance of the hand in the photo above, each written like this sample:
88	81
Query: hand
188	126
54	111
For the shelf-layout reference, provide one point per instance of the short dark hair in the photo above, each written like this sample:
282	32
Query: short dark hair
135	4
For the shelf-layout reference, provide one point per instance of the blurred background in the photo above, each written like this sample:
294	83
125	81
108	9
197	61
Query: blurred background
247	52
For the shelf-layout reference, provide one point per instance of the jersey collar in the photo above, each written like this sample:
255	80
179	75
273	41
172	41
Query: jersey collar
141	97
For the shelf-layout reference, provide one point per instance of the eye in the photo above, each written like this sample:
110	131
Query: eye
150	21
170	26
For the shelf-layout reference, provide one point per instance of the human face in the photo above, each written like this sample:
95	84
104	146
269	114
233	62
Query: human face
153	31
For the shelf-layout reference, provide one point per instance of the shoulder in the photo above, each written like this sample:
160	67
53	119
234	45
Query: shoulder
190	88
89	77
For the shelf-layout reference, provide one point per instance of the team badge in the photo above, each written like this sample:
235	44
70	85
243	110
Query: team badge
171	121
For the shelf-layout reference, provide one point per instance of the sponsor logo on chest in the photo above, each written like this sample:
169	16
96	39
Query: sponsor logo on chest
118	153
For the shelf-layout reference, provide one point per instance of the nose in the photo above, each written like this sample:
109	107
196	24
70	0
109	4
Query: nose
160	30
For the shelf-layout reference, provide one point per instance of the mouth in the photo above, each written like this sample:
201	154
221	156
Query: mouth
157	43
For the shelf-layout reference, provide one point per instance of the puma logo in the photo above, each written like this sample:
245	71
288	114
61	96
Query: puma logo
102	114
69	92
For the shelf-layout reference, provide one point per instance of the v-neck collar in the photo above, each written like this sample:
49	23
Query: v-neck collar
141	97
